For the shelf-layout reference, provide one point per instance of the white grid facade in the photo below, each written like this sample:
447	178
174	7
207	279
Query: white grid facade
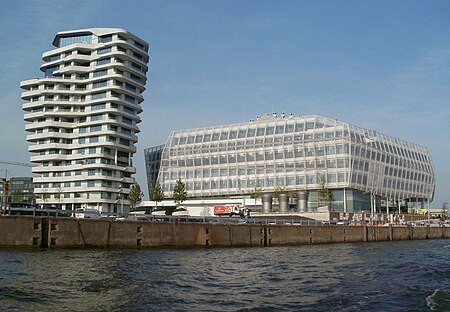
295	153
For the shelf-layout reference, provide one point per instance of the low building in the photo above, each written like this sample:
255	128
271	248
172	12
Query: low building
306	162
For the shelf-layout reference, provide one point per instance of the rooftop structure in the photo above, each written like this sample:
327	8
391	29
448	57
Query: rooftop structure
82	118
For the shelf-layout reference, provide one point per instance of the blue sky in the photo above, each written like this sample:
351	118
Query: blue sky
382	65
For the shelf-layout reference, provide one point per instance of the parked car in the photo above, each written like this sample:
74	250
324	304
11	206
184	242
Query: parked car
87	213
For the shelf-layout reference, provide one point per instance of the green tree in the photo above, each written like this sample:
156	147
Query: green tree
135	195
278	191
45	195
444	209
58	195
179	192
157	194
324	193
179	195
256	192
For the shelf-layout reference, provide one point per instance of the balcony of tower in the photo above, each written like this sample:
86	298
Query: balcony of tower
28	95
128	61
126	77
76	57
71	69
84	47
129	148
132	114
126	64
33	137
117	178
137	95
47	157
29	83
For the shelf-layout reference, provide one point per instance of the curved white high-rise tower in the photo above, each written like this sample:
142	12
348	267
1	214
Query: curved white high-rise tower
82	118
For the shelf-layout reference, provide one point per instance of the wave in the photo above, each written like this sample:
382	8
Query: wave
431	303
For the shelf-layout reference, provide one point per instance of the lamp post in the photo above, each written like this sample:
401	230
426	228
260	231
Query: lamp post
121	203
122	180
120	197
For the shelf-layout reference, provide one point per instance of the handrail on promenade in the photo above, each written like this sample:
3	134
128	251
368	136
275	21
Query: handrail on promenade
227	220
36	212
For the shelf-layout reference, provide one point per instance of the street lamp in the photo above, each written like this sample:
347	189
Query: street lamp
120	197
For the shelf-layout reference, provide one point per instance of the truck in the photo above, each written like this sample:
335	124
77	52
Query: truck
231	210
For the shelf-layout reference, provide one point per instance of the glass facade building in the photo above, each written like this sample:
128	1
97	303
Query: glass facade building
152	164
20	190
82	118
360	167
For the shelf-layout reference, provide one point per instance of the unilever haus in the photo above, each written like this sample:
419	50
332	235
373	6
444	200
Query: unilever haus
363	169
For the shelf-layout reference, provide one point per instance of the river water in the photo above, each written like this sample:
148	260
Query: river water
384	276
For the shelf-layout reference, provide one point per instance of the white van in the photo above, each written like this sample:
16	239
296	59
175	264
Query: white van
87	213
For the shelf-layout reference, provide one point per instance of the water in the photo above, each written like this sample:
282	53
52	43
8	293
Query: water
388	276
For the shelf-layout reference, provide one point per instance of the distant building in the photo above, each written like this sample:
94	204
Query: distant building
82	118
303	157
20	190
152	164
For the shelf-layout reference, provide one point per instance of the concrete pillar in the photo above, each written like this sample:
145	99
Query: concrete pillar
283	202
302	201
266	199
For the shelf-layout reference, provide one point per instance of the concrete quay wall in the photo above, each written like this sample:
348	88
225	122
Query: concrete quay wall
16	231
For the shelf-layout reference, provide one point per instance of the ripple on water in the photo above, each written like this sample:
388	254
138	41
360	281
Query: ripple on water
392	276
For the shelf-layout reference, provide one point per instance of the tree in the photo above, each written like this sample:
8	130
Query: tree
45	195
135	195
157	194
58	195
444	210
179	192
324	193
256	193
278	191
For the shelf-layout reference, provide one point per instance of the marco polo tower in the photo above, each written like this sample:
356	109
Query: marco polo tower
82	118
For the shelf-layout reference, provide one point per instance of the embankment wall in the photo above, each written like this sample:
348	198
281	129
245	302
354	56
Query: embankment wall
77	233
